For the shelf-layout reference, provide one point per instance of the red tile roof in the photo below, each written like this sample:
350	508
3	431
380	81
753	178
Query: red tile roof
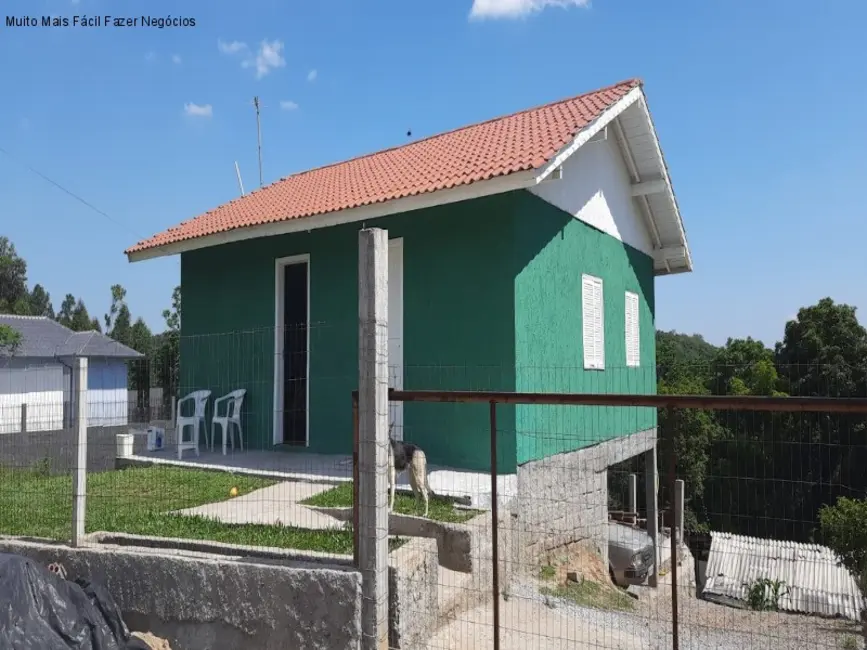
522	141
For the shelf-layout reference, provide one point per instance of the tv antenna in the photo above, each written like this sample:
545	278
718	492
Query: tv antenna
258	137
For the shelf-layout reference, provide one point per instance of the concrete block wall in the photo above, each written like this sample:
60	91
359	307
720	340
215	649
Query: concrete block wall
55	450
563	499
202	600
413	607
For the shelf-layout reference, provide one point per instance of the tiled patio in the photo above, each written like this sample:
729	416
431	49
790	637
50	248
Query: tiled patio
319	468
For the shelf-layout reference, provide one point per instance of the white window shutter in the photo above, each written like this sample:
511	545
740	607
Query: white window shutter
600	326
633	338
593	323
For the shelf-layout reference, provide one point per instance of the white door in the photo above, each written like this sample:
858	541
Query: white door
395	332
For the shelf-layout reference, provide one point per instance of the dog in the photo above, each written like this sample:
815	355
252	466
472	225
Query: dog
407	456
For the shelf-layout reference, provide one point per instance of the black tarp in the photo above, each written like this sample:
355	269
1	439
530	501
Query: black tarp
40	610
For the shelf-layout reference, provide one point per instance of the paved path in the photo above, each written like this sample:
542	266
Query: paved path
277	504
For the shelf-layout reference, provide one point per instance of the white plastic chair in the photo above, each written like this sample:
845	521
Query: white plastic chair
235	400
197	420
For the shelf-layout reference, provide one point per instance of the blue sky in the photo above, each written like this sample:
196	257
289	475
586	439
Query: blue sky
759	107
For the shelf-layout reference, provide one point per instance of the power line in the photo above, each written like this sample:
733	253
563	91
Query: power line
69	192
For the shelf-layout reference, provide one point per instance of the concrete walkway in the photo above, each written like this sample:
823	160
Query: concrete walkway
278	504
474	487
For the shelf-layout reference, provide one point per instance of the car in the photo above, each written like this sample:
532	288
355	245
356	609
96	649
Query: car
630	554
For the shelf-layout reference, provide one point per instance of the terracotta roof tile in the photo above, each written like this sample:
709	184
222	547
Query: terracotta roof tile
498	147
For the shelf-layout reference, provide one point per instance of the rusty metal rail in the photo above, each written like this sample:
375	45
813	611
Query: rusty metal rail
707	402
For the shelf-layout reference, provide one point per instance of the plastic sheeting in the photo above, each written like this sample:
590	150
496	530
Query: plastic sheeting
40	610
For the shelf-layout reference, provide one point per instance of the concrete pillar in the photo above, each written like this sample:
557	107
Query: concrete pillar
373	445
651	484
632	493
79	477
24	418
678	509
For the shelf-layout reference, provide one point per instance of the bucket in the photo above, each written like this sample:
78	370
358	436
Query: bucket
124	445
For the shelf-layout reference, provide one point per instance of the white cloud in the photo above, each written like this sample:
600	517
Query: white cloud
268	57
288	105
311	76
176	59
235	47
518	8
198	110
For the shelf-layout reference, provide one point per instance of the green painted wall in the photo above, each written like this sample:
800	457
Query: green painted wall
552	251
458	327
492	301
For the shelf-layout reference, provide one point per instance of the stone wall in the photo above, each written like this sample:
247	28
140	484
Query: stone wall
564	498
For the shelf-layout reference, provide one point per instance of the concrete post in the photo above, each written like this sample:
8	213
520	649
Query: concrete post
633	493
373	445
678	509
79	478
651	483
24	418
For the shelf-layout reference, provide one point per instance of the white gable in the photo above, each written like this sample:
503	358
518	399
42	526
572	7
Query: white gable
595	188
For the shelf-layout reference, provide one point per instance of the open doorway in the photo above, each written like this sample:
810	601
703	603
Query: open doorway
292	351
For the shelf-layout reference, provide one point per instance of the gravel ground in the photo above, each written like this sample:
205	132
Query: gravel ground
531	621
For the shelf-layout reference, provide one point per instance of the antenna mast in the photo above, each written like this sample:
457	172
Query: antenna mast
258	137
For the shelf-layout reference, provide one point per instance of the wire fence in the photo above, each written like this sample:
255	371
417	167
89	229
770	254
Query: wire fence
615	515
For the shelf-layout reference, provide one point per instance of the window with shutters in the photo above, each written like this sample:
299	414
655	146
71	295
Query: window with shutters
593	316
633	340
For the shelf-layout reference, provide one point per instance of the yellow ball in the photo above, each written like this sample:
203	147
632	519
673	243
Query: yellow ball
233	492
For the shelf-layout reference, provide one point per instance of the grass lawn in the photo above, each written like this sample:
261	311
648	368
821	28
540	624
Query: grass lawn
440	508
136	500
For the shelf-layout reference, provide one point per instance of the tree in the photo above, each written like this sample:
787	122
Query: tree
9	340
824	354
167	350
14	297
118	320
73	314
40	302
844	530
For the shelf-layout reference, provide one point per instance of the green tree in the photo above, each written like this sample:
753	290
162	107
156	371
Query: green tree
167	350
9	340
118	320
843	527
824	354
74	315
40	302
14	297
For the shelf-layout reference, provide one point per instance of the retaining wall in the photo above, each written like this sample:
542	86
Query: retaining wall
563	499
208	595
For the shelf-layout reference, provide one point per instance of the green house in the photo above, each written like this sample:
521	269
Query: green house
523	256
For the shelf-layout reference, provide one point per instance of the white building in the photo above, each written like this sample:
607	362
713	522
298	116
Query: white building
38	371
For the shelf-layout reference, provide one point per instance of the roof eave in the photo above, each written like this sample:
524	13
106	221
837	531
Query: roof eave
478	189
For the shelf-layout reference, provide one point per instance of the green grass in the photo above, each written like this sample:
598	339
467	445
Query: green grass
591	594
440	508
136	501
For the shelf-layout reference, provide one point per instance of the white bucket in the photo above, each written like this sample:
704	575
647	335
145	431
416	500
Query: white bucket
124	445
